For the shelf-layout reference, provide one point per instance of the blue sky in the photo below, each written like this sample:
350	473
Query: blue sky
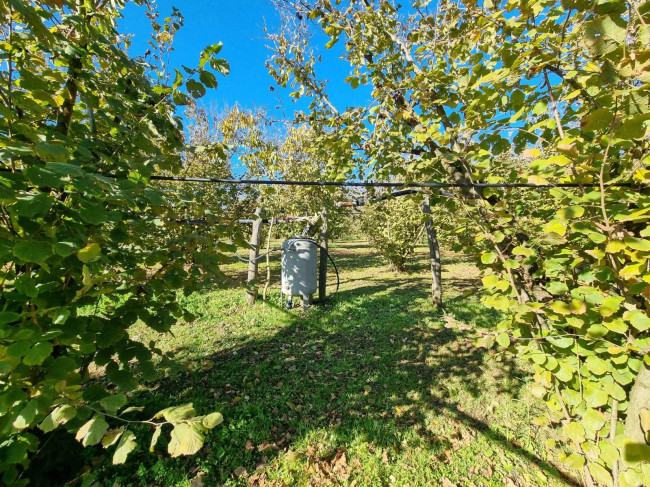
239	25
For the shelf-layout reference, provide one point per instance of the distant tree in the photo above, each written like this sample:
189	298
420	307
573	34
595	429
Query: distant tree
393	227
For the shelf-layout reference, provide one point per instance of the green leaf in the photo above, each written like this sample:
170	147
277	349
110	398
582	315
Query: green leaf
113	402
525	251
633	127
111	436
571	212
599	119
8	317
594	397
557	288
92	432
609	452
133	409
64	413
638	319
490	280
564	373
498	301
614	246
488	257
561	342
600	474
575	461
60	415
221	66
181	98
596	365
125	446
594	420
51	152
596	331
212	420
89	253
38	353
33	20
185	440
575	432
610	305
48	424
209	52
154	438
33	251
27	415
637	243
503	340
64	248
32	205
208	79
617	326
177	413
540	107
196	89
632	270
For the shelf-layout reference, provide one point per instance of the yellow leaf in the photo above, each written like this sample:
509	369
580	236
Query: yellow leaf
632	270
615	246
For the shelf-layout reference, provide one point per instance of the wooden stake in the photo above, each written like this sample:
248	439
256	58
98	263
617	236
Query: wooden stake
322	270
434	253
251	281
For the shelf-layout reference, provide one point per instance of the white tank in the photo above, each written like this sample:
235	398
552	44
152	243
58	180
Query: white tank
299	264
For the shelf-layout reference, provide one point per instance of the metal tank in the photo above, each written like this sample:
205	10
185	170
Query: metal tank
299	265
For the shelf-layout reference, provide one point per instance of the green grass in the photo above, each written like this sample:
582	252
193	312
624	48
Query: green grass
374	388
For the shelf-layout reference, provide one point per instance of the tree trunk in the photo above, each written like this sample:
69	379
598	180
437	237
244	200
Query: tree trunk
322	270
639	399
434	253
251	281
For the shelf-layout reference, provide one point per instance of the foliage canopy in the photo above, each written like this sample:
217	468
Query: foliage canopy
88	247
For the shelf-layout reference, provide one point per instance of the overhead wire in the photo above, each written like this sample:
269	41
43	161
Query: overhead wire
371	184
381	184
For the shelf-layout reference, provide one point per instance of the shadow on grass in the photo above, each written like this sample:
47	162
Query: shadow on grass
365	366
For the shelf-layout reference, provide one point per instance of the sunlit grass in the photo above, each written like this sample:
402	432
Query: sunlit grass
374	388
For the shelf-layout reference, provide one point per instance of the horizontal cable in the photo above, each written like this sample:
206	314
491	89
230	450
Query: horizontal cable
368	184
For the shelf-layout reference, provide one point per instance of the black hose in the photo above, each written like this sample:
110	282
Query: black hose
338	280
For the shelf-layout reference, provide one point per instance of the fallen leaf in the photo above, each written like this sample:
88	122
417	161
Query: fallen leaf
198	480
240	472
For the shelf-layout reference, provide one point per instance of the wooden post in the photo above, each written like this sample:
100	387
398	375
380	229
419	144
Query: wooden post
251	281
434	253
322	270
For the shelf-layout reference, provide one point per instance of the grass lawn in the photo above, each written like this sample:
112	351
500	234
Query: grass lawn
374	388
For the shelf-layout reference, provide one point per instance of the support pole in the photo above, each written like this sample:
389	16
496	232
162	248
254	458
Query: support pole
251	281
322	271
434	254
